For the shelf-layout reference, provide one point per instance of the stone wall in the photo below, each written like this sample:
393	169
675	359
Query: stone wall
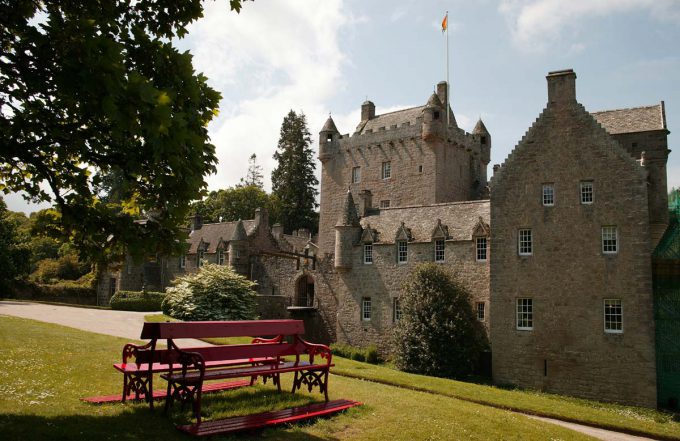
568	276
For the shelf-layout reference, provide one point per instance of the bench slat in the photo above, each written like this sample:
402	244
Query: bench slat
244	328
265	419
246	371
129	368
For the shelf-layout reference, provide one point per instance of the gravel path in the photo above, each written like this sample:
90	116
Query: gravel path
128	324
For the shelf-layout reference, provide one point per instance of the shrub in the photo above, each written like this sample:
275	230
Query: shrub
215	292
137	301
438	333
369	354
66	267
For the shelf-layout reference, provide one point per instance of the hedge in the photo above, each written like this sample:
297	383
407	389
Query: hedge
144	301
368	354
31	290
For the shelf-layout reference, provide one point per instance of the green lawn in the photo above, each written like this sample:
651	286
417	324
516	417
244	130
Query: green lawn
46	368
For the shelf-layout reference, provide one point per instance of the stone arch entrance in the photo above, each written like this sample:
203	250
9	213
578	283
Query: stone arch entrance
304	293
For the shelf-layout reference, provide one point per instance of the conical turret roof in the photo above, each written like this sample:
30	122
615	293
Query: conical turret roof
434	101
480	128
329	126
349	216
239	232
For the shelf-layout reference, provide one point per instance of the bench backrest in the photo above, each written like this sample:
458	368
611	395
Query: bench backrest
243	328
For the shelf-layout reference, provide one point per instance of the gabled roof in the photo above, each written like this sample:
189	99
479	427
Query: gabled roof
239	232
211	234
387	120
636	119
368	235
460	218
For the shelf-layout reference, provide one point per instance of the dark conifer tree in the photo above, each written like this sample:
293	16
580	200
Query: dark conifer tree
293	181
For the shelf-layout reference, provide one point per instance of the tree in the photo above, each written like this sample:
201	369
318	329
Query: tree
215	292
88	88
293	179
235	203
14	255
254	175
438	333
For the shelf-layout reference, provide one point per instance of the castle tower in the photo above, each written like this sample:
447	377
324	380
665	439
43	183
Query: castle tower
346	233
433	114
485	146
328	138
238	246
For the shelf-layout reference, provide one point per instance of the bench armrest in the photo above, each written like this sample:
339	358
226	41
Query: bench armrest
190	361
277	339
322	351
131	350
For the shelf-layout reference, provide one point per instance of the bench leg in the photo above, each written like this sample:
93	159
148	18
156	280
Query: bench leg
311	379
125	387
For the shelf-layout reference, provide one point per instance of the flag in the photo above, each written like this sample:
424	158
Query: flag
445	22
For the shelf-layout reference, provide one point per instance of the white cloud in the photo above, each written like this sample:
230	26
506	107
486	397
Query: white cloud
267	60
535	24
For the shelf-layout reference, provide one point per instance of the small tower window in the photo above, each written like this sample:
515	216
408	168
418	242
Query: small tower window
436	115
329	137
420	169
483	140
356	175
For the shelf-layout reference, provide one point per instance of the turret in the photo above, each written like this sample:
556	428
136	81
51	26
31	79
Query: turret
328	140
238	246
484	141
347	232
433	114
367	111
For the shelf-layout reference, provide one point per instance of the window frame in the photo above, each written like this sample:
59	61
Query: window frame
399	251
606	246
385	203
366	309
482	310
396	310
608	318
548	197
524	314
582	192
182	261
356	175
220	257
199	258
368	254
521	242
386	170
439	253
478	249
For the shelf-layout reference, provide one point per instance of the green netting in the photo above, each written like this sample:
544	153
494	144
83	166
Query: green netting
666	266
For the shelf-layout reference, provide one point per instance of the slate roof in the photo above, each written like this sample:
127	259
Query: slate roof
212	233
329	126
389	119
636	119
460	218
289	242
480	128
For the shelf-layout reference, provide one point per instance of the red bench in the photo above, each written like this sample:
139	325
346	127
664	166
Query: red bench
268	358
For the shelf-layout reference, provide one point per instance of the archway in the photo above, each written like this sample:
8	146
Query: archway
305	291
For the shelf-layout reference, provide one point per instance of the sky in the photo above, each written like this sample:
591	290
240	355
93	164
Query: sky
327	57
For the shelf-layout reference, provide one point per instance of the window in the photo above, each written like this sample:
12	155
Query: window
182	261
436	115
329	137
356	175
366	309
220	257
525	314
524	242
237	253
420	169
385	203
481	313
610	241
481	249
386	170
368	253
199	258
613	316
548	195
396	310
483	140
439	250
586	192
402	251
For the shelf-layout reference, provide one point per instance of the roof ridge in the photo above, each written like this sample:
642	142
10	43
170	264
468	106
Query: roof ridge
440	204
397	111
626	108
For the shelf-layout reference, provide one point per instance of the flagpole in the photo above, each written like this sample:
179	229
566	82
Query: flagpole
448	86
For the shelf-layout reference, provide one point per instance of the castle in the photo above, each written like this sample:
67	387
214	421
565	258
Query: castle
555	250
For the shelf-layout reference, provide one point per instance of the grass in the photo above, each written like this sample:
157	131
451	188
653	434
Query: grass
46	368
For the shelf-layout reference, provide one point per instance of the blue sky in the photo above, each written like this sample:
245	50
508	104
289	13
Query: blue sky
328	56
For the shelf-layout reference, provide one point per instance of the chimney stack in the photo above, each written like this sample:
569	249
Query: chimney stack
367	110
561	87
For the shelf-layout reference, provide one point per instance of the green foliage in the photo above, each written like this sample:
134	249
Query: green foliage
368	354
14	254
215	292
293	179
438	333
81	288
137	301
66	267
235	203
95	89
